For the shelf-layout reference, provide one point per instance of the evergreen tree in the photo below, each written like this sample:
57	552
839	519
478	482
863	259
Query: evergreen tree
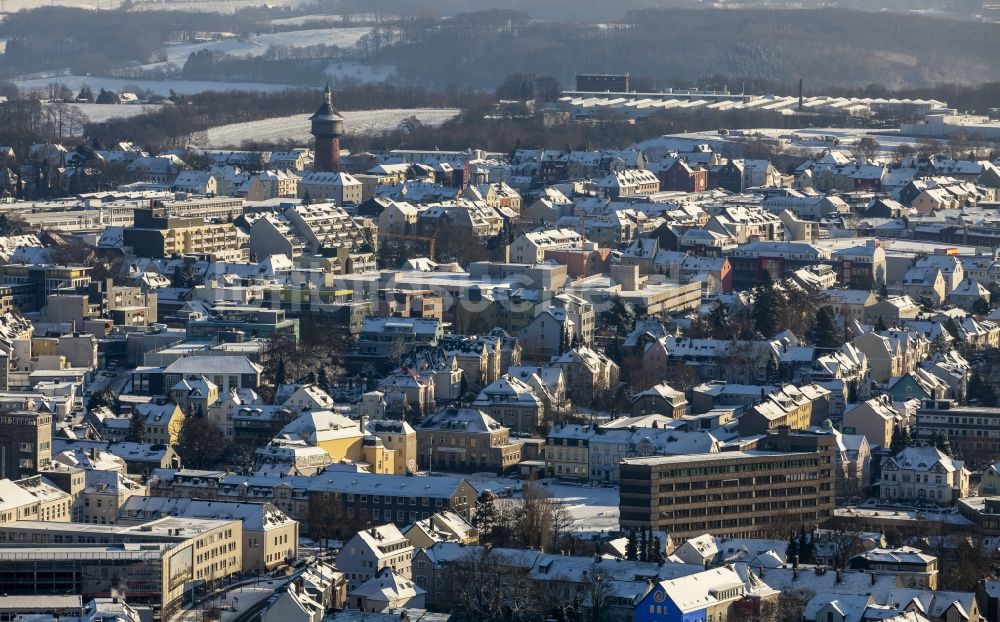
940	344
631	549
980	306
136	428
307	198
900	439
943	444
486	513
200	444
824	331
620	317
792	550
643	546
981	391
280	375
656	551
767	307
106	398
988	395
804	543
321	378
771	373
880	325
951	326
719	321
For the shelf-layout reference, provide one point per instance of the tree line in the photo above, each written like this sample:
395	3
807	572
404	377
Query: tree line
854	48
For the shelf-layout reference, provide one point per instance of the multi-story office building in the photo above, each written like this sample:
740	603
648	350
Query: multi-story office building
30	284
155	563
973	431
740	494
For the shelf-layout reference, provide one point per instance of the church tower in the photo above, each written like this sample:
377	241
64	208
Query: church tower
327	128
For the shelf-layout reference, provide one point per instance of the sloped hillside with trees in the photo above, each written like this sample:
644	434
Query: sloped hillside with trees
679	45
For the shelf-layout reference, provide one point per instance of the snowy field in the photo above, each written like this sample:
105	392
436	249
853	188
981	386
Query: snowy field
359	72
205	6
160	87
255	45
593	508
297	127
99	113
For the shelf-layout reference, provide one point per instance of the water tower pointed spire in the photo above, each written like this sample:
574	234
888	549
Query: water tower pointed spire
327	128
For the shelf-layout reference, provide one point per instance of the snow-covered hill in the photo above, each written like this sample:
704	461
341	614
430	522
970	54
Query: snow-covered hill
297	127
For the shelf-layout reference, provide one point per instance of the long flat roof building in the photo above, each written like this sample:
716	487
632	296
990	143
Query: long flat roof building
738	494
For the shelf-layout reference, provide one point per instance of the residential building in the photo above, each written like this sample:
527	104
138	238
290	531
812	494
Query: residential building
513	403
158	234
370	550
874	419
914	568
715	594
465	439
923	475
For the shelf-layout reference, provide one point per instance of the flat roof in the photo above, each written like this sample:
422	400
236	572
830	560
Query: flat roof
81	552
168	526
714	457
39	602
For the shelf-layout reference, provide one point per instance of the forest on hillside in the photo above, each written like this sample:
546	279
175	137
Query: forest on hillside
827	47
674	46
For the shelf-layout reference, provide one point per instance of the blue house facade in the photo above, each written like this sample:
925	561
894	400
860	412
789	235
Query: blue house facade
657	606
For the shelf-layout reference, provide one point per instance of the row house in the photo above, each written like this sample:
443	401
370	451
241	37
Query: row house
628	183
793	407
893	352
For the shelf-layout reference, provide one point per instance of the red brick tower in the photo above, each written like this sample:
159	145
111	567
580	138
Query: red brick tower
327	128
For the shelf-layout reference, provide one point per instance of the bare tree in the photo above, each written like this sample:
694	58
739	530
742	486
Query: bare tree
841	544
538	518
597	596
866	148
486	588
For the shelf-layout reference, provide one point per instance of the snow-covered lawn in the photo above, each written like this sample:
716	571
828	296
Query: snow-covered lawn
593	508
297	127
